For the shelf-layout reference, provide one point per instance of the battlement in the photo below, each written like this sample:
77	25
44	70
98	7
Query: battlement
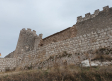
23	29
40	36
29	30
89	15
106	8
34	32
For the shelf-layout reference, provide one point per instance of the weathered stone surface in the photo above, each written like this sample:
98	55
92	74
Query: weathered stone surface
90	33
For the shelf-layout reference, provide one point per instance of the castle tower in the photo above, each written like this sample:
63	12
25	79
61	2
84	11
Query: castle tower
28	40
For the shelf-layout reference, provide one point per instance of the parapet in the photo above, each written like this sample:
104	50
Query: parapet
40	36
28	29
79	19
89	15
23	31
96	12
106	8
34	32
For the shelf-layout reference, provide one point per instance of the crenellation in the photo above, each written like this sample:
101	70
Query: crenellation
23	29
87	16
34	32
28	29
79	19
105	8
40	36
96	12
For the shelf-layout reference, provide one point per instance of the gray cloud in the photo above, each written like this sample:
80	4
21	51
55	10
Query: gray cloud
44	16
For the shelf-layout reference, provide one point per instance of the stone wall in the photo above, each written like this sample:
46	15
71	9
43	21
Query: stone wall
60	36
97	21
90	33
7	64
92	41
32	57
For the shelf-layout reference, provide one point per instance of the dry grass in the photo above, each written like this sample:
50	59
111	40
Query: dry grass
63	73
102	58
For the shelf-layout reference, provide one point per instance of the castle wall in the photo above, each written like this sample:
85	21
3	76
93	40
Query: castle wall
90	33
92	41
60	36
92	22
32	57
7	64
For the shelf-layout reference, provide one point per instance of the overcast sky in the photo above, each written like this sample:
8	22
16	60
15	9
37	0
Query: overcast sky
44	16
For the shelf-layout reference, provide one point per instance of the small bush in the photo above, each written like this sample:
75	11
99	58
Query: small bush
29	67
7	69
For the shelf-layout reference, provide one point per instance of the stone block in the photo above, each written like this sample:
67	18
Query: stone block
110	39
